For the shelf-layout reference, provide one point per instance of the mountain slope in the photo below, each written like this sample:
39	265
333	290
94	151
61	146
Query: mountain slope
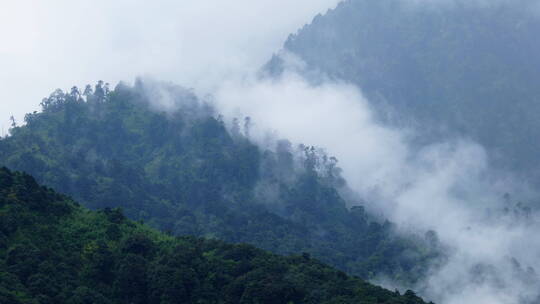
183	172
465	68
54	251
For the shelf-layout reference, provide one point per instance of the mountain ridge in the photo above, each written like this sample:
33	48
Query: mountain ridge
447	70
183	172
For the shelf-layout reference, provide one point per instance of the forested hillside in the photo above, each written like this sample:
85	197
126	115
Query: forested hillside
54	251
183	172
455	68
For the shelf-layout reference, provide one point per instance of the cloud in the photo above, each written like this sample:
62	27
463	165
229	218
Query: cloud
49	44
447	187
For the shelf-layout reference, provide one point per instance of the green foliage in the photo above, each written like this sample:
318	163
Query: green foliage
184	173
60	252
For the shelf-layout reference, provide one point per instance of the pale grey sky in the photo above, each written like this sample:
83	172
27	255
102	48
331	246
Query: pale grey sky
52	44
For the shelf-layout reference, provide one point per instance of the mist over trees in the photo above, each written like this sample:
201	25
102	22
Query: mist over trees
166	158
448	68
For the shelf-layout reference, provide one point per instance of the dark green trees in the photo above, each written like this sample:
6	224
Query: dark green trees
58	252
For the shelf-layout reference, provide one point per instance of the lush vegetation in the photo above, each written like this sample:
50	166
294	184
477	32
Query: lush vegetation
54	251
181	171
466	68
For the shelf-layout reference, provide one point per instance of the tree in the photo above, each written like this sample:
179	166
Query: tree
247	126
99	91
13	121
74	93
88	92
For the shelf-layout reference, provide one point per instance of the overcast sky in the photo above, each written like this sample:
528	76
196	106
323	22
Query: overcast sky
59	43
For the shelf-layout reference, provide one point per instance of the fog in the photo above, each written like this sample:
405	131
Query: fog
218	47
46	45
447	187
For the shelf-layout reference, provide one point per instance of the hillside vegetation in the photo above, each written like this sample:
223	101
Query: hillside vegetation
54	251
183	172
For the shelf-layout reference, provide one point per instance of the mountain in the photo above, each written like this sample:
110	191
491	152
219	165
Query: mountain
52	250
177	167
447	68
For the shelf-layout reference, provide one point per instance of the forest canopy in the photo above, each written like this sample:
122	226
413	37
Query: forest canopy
185	172
52	250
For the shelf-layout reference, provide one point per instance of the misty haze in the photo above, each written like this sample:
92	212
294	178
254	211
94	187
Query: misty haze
321	151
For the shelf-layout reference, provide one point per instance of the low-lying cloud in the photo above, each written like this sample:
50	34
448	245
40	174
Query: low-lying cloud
46	45
447	187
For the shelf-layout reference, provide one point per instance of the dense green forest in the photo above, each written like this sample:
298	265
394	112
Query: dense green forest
183	172
52	250
449	68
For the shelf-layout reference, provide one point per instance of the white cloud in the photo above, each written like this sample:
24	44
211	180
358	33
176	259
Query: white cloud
59	43
446	187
